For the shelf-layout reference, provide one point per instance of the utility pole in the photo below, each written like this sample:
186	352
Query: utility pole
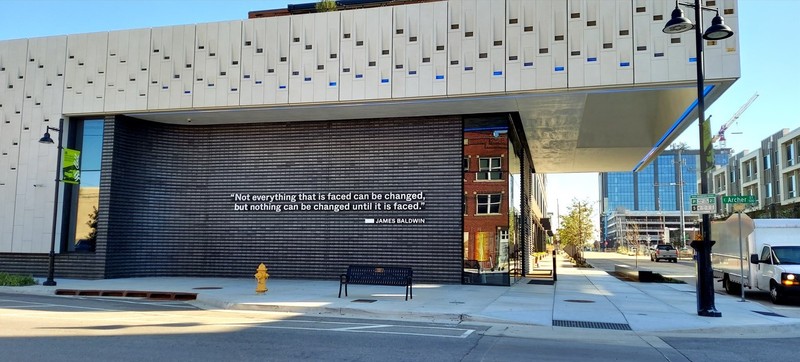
680	196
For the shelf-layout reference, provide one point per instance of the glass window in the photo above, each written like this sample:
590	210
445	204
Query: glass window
489	168
488	204
767	161
89	140
790	154
465	164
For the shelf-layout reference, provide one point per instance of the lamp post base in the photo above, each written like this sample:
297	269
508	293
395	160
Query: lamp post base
705	279
49	283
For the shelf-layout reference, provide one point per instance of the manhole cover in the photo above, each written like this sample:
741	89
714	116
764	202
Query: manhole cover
365	301
578	301
206	288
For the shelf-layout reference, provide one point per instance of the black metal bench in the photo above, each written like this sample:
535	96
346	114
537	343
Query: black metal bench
377	275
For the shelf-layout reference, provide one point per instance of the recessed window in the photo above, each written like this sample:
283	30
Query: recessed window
488	204
489	169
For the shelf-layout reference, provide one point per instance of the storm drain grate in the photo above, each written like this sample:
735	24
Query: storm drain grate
769	314
206	288
594	325
542	282
365	300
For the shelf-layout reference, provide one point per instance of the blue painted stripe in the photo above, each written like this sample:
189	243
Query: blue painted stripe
693	60
281	87
528	64
497	72
467	68
592	59
332	84
385	80
307	79
439	76
359	76
669	132
412	72
475	129
559	69
625	64
258	82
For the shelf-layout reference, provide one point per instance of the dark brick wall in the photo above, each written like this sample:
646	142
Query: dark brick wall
170	210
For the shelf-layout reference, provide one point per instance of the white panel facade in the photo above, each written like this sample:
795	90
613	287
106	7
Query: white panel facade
551	55
600	44
46	58
314	58
12	83
721	57
521	45
85	73
378	41
128	70
217	70
172	64
265	61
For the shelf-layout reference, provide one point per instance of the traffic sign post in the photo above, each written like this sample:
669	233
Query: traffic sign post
704	203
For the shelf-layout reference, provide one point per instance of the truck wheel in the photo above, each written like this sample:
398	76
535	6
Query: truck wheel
674	260
775	293
731	287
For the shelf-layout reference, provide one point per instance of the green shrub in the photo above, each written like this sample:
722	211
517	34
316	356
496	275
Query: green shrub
11	280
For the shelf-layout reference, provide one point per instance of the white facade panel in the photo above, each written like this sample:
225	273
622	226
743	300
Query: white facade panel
85	73
521	45
172	64
377	76
600	49
265	69
12	84
551	55
478	28
660	57
217	56
42	104
402	49
721	57
314	58
128	66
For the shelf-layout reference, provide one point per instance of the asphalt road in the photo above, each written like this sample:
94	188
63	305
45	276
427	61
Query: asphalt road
50	328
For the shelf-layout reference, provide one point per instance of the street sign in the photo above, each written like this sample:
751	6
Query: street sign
704	203
739	199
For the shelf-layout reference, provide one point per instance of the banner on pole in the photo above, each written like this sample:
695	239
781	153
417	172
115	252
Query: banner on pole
71	166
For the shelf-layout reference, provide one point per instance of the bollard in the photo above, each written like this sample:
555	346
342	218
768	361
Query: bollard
555	277
261	279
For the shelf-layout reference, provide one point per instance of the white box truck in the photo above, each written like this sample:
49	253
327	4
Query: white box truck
770	256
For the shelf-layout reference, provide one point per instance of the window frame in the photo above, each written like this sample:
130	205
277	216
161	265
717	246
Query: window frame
490	172
487	202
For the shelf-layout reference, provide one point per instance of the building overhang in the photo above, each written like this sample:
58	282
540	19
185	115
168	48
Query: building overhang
602	129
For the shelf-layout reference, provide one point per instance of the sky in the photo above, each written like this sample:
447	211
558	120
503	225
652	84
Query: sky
769	53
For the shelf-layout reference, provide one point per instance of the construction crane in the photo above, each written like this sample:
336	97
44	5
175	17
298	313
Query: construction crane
721	134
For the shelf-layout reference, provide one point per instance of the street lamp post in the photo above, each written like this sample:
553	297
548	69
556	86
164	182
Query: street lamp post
717	31
52	255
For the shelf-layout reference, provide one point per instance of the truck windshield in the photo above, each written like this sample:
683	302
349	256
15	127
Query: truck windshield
787	254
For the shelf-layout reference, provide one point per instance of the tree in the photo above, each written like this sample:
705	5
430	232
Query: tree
325	6
92	237
576	228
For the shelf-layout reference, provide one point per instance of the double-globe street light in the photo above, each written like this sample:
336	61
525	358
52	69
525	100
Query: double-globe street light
52	256
717	31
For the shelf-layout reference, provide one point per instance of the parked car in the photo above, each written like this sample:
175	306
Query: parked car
667	252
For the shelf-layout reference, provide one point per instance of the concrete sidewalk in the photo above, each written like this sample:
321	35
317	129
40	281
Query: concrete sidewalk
582	297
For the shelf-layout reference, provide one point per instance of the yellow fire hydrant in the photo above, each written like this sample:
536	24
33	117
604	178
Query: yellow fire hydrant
261	279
